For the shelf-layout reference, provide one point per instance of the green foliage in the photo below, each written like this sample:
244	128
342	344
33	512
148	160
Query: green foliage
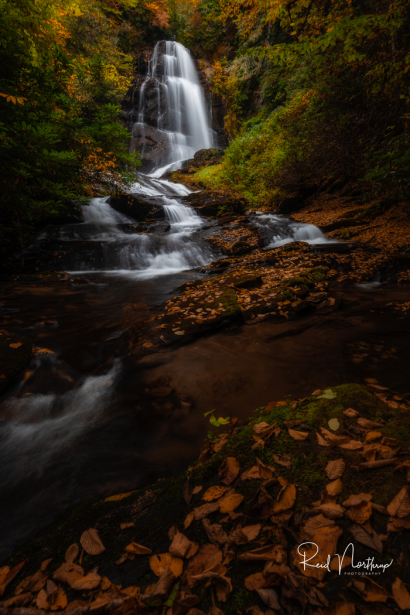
62	77
216	422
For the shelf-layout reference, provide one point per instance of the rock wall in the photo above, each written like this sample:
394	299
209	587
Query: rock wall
151	142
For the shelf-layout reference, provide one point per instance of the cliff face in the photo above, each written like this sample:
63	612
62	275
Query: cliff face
152	143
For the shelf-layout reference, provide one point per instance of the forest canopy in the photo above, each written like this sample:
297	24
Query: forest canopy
317	95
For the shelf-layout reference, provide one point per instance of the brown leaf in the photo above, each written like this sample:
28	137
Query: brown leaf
180	545
370	540
159	563
137	549
369	590
122	559
208	557
330	510
338	608
255	581
203	511
313	524
7	575
72	553
90	581
333	438
164	583
189	518
42	600
285	499
259	471
400	594
125	526
270	598
323	545
274	553
335	487
33	583
197	489
321	441
400	505
351	413
228	471
282	460
91	542
371	436
361	513
357	499
214	492
44	565
351	445
16	345
243	535
58	600
335	469
219	444
230	502
298	435
367	424
68	573
193	549
216	534
379	463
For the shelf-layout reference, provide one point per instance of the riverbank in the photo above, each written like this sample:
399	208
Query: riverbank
328	469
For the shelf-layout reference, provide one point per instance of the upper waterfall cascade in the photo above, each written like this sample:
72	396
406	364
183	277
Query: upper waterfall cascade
180	112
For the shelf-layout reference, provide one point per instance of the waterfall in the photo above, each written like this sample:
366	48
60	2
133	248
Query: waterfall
172	108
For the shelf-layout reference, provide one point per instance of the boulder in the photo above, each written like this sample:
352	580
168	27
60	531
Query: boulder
216	202
132	205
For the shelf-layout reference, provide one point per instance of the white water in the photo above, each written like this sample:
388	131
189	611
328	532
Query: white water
184	122
176	102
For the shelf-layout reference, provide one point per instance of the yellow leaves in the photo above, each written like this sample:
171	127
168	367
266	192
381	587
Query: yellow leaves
159	563
16	345
14	99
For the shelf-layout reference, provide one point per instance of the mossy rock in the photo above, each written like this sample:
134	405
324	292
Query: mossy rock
249	282
167	507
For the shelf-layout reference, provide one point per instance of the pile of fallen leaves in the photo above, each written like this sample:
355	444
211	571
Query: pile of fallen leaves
252	504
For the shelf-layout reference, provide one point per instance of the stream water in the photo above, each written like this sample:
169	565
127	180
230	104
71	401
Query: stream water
84	423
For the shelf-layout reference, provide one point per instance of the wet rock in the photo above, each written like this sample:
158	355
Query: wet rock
214	202
317	297
132	205
163	391
249	282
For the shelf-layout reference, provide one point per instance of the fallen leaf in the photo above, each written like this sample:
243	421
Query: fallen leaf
330	510
283	460
42	600
316	552
91	542
273	553
298	435
160	562
118	497
351	413
137	549
285	499
125	526
196	489
327	394
334	424
356	499
46	351
400	505
370	540
369	590
335	469
368	424
214	492
72	553
361	513
335	487
203	511
255	581
372	435
243	535
371	465
260	471
313	524
180	545
400	594
230	502
10	575
216	534
58	600
208	557
16	345
269	597
352	445
228	471
321	441
68	573
90	581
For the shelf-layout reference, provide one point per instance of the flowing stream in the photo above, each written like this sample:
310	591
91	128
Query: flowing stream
82	424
